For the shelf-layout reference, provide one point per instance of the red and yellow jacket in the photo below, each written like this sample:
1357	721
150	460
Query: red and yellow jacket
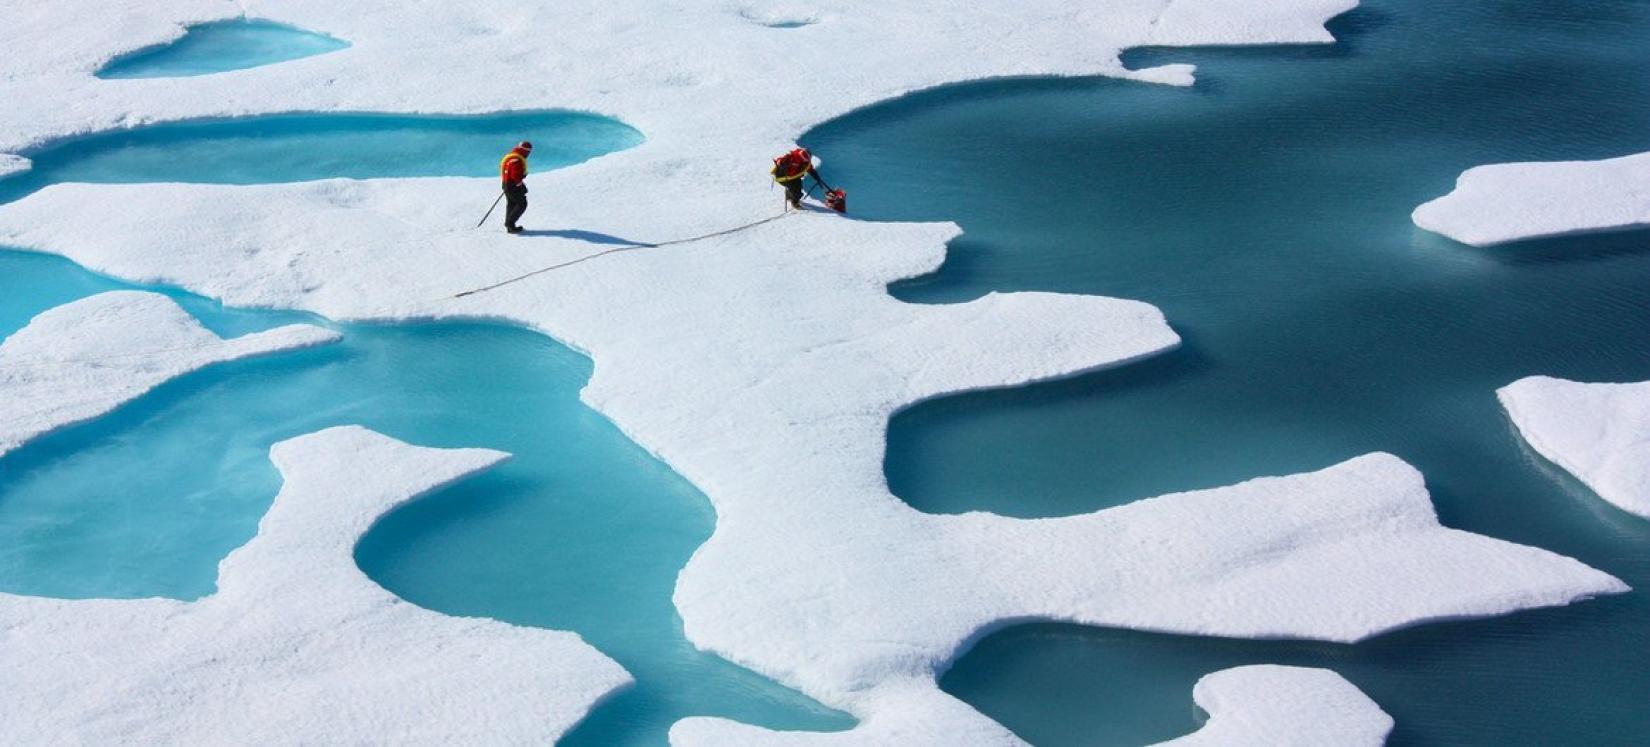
792	166
513	169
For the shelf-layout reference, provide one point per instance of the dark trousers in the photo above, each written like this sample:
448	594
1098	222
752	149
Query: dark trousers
515	203
793	191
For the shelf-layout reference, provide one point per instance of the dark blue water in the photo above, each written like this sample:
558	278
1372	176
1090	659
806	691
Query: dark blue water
1266	212
219	47
302	147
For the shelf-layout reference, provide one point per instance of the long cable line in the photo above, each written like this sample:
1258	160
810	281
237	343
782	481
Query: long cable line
31	361
630	248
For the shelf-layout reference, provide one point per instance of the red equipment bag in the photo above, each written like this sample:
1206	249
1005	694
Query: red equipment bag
837	200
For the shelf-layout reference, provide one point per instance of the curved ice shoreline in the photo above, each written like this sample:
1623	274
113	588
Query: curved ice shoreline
681	72
796	581
10	165
1341	554
1260	705
193	53
763	366
297	645
81	360
1506	202
1271	706
1598	432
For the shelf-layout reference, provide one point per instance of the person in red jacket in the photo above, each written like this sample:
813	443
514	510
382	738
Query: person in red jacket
790	169
512	172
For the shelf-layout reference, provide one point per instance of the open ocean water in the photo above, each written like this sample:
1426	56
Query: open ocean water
1266	211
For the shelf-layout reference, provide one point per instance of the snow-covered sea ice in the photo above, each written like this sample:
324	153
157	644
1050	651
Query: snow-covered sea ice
297	645
219	47
83	359
776	345
1598	432
1506	202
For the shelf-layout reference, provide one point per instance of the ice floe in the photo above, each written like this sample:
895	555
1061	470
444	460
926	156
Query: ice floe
1513	201
695	75
11	165
1263	705
1598	432
82	359
1186	24
763	364
1340	554
1276	706
297	645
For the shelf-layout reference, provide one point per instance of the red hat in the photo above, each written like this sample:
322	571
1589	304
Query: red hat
524	145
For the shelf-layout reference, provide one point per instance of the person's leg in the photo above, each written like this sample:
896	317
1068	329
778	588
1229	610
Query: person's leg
793	194
510	213
515	205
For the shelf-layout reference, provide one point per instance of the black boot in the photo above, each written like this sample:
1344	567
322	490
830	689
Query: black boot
514	229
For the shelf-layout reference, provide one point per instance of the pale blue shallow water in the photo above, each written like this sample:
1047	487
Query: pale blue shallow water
302	147
1266	212
222	46
582	530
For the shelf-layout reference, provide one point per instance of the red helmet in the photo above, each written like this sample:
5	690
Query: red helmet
524	145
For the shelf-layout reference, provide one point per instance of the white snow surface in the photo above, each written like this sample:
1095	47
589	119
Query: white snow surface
83	359
762	365
10	165
297	646
1598	432
1340	554
701	78
1276	706
1263	705
1505	202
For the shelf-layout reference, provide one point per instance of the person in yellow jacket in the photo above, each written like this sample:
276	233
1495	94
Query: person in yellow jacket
512	173
790	169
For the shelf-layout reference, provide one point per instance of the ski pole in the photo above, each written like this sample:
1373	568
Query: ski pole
491	209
